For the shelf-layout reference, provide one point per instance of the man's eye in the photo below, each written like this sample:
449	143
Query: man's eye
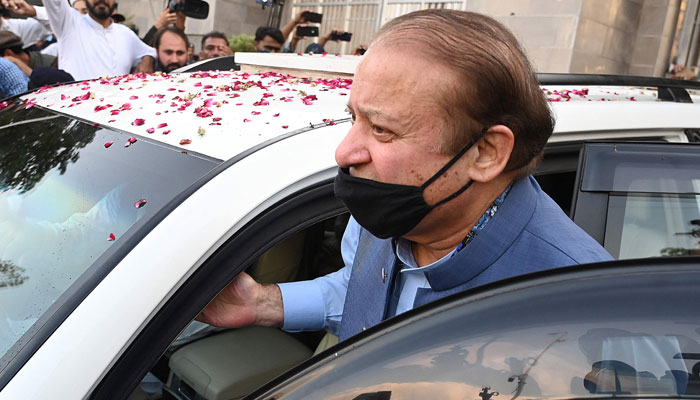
378	129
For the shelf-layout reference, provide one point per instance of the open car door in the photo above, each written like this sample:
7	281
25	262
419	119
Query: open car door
640	199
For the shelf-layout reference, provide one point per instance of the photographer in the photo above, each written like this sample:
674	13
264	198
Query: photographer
92	45
167	17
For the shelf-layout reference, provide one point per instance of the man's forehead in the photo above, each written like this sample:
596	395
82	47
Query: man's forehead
173	39
214	41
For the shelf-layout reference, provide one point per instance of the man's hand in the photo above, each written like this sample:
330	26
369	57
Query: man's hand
325	38
245	302
20	7
166	18
147	65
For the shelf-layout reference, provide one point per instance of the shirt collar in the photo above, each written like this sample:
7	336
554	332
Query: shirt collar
96	25
405	254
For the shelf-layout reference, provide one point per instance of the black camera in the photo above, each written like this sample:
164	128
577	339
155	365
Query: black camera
343	37
307	31
197	9
312	17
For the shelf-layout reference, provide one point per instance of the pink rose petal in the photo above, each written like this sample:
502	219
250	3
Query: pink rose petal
111	237
138	122
140	203
108	144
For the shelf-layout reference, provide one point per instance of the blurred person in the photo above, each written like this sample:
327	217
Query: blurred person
191	57
92	45
12	80
171	48
214	44
166	18
32	29
267	40
11	47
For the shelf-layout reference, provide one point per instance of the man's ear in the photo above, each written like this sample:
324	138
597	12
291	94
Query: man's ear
493	152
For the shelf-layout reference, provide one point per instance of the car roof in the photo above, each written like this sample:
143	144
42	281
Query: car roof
223	113
215	113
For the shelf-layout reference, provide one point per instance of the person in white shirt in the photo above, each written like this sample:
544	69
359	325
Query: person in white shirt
30	30
92	45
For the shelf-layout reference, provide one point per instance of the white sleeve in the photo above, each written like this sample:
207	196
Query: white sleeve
140	49
61	16
43	17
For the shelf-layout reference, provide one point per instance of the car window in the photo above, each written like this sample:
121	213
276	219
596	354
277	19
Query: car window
641	199
69	191
597	334
653	226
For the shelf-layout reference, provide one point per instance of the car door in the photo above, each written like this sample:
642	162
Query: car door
612	329
640	199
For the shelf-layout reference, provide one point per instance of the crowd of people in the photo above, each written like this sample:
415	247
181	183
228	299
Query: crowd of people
82	39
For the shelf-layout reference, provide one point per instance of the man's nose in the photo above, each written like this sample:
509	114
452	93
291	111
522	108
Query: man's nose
352	151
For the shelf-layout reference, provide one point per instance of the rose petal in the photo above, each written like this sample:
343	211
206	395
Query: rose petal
166	132
163	125
140	203
285	126
138	122
185	141
108	144
111	237
150	130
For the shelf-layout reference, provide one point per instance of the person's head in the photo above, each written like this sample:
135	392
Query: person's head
101	9
81	6
11	45
268	40
171	48
213	45
430	83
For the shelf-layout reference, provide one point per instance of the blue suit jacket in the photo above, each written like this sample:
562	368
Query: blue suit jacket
529	233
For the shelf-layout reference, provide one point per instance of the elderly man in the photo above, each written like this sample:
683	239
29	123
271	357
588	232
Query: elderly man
436	172
92	45
171	47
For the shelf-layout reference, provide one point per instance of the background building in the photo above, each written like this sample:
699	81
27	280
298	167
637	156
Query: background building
636	37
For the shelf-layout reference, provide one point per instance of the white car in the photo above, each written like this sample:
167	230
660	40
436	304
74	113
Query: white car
128	203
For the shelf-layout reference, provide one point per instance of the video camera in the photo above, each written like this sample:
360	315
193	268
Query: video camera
198	9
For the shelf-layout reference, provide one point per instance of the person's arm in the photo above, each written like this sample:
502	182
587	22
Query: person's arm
318	304
59	13
287	29
325	38
147	65
42	16
150	35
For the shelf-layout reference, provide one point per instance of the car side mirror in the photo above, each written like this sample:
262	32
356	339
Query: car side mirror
197	9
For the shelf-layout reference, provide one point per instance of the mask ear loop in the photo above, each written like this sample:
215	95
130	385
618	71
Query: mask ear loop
450	164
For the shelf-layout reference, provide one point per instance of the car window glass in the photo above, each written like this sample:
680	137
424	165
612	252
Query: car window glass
578	338
69	191
653	226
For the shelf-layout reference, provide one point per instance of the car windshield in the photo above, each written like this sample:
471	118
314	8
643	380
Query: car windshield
69	191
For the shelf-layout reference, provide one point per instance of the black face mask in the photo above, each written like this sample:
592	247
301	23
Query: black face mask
390	210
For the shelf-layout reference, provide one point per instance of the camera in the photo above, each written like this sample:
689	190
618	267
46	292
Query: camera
312	17
306	31
198	9
343	37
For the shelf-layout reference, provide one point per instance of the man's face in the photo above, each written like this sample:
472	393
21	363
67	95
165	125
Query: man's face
81	6
172	52
213	47
101	9
268	44
398	122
